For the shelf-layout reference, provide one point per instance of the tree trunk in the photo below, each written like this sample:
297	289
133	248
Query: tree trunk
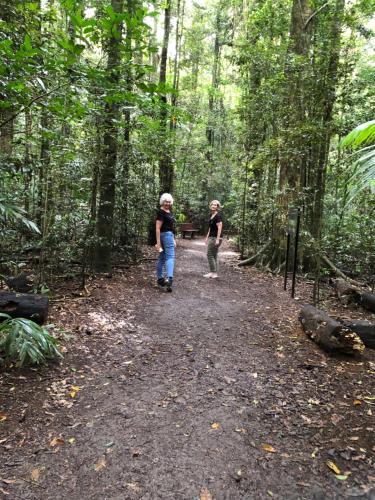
322	142
107	185
165	165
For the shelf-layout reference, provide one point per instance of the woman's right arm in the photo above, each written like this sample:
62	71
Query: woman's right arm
208	234
158	227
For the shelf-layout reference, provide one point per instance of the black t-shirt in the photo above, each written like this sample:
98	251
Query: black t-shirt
213	227
167	219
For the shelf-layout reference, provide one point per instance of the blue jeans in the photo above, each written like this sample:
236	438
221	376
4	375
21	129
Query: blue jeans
166	257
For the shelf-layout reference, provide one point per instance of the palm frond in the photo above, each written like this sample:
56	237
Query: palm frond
24	342
363	165
9	212
364	134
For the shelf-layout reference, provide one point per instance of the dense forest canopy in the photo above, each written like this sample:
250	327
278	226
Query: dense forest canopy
104	104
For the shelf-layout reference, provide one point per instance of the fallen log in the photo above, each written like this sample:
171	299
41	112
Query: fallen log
345	291
328	333
22	305
22	283
364	329
367	300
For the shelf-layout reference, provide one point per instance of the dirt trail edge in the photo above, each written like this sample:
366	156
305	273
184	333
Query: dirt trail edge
211	392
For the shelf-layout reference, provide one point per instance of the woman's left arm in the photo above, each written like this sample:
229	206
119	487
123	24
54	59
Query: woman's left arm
219	231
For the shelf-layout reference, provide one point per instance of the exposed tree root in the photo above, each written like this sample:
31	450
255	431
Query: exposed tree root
254	257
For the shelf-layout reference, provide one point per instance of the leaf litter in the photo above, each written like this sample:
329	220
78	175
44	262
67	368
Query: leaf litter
302	402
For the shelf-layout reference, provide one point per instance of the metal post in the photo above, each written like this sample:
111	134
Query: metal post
286	259
296	252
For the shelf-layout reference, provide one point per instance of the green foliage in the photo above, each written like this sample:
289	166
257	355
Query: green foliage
364	158
361	136
23	342
12	213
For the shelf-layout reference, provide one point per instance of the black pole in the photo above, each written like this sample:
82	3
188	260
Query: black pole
286	259
296	252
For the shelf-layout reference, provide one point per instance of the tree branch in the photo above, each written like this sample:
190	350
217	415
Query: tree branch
314	14
340	273
37	98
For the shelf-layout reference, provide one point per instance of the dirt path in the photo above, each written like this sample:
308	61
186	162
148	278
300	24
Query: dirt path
210	392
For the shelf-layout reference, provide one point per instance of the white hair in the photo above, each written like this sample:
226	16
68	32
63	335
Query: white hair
166	197
217	202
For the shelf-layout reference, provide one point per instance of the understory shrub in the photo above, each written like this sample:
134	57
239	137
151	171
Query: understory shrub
23	342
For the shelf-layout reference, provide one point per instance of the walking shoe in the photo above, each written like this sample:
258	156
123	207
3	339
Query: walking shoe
214	275
208	275
169	285
161	282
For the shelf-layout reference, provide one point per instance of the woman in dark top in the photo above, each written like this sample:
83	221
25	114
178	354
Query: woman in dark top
165	242
214	238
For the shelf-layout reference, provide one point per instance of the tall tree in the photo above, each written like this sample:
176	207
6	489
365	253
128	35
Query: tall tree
165	164
107	184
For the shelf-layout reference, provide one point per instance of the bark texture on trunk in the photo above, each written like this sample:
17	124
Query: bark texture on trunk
107	184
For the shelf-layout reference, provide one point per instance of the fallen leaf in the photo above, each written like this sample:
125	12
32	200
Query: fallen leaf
313	454
100	464
9	481
72	440
341	477
333	467
357	402
335	419
4	492
205	494
215	425
2	417
306	419
56	441
240	430
269	448
35	474
313	401
133	486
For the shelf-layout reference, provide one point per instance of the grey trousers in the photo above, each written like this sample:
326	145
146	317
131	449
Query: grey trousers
212	251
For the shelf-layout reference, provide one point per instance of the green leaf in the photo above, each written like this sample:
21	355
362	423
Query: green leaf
364	134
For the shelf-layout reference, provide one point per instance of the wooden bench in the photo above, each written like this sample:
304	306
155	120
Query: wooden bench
187	228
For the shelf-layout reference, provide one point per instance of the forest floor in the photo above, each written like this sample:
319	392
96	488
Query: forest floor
211	392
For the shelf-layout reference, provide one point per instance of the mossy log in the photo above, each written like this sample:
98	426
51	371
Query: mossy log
328	333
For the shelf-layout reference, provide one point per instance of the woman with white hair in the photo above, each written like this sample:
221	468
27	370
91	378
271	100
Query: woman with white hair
214	238
165	242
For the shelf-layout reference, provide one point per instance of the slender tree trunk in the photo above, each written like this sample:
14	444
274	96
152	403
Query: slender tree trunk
44	164
165	165
107	185
127	151
27	169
